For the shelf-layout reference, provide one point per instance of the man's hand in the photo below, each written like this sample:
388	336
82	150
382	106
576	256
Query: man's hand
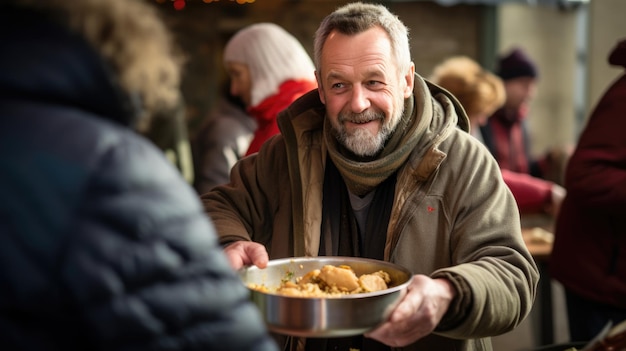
246	253
418	314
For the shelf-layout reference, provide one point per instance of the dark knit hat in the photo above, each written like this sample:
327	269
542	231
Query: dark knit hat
516	64
618	55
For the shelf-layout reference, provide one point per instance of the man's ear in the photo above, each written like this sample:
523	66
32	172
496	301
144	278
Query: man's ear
410	81
320	88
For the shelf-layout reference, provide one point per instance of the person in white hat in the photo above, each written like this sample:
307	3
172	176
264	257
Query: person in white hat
269	69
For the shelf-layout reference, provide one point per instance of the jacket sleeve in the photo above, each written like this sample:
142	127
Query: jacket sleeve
532	194
144	267
248	207
488	256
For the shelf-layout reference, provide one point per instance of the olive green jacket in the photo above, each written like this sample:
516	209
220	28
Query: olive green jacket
453	215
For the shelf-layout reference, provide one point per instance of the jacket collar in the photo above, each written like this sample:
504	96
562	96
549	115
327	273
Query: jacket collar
439	113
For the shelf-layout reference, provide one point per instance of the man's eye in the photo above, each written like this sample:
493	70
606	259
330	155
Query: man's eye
338	85
374	83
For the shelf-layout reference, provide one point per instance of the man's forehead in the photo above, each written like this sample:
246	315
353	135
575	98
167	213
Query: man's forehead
372	44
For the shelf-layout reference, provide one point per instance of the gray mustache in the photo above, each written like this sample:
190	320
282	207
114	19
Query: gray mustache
362	117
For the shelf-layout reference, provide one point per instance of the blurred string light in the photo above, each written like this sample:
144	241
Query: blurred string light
180	4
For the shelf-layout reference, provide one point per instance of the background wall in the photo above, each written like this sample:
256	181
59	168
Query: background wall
607	25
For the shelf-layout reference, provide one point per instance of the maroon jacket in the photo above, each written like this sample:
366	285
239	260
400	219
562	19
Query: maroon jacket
589	256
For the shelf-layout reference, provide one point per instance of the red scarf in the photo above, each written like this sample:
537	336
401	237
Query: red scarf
266	111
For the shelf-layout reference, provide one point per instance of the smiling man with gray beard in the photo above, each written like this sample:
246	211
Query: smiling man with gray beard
377	163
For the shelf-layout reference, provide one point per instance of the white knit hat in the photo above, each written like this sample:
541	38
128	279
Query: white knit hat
272	55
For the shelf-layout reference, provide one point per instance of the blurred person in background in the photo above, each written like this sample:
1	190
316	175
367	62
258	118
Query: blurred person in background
221	140
506	132
168	131
589	255
269	69
103	245
481	93
378	163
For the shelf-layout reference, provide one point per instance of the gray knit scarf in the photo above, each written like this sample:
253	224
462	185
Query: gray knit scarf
362	177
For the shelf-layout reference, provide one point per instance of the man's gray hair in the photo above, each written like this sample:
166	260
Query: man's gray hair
358	17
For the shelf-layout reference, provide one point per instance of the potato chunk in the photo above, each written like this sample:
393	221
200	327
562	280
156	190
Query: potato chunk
374	282
340	278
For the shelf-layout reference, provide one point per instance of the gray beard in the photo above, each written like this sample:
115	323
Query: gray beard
361	142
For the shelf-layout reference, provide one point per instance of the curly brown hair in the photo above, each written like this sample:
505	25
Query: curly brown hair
478	90
135	42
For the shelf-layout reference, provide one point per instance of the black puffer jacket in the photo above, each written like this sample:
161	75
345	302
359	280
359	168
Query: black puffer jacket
103	246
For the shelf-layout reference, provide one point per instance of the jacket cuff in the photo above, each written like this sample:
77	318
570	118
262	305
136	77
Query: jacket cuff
459	306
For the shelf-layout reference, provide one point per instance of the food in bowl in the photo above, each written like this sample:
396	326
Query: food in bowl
329	316
329	281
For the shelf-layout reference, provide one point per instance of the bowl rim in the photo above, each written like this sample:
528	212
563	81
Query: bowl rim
296	260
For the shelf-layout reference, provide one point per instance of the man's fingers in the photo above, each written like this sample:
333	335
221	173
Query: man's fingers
245	253
257	254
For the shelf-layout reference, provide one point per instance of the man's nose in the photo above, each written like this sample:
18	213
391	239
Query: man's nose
360	99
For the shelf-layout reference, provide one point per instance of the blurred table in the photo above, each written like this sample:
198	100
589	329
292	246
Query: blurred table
539	243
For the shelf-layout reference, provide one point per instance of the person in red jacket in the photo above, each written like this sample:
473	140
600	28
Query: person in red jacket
269	69
589	255
481	92
505	133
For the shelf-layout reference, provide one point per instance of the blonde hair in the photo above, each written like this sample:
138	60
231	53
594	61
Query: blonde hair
133	41
479	91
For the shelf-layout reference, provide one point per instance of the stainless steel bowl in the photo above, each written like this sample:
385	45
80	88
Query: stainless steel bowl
324	317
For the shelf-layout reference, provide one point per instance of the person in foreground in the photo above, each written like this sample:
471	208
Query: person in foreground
589	258
481	92
378	163
103	245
